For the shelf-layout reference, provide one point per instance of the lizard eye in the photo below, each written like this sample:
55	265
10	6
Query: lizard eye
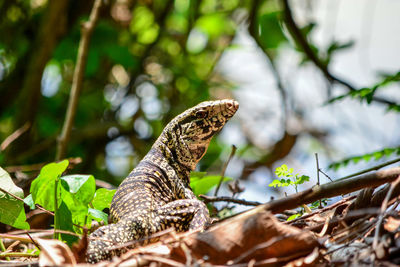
201	114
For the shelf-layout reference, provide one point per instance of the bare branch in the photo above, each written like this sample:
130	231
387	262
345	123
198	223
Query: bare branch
11	138
86	31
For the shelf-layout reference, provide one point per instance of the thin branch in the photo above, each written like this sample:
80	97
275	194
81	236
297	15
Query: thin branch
11	138
208	199
318	182
377	167
86	31
326	175
20	199
302	42
224	169
33	241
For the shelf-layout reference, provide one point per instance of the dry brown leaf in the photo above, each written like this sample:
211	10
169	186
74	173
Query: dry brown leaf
392	224
54	253
252	235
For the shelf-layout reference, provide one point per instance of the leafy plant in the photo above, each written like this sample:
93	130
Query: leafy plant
73	199
291	179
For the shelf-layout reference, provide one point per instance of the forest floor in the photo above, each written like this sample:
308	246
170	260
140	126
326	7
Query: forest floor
362	229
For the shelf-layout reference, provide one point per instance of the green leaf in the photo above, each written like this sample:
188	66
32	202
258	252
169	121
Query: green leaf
302	179
102	198
270	30
203	185
275	183
81	186
98	215
42	188
11	210
66	223
294	216
29	201
77	211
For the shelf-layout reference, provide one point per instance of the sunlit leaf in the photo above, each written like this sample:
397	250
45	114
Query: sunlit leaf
11	210
43	187
102	198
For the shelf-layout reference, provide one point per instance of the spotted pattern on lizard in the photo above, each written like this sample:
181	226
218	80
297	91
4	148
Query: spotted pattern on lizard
156	195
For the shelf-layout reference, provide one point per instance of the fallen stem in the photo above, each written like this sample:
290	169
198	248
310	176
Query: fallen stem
208	199
17	254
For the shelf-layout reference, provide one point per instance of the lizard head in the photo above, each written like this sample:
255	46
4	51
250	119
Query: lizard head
190	133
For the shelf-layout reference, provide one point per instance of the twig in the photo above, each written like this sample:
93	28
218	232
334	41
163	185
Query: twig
382	211
86	32
326	175
224	169
318	183
3	248
20	199
33	241
377	167
17	254
208	199
11	138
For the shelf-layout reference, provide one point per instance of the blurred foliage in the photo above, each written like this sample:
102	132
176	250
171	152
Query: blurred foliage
376	155
367	94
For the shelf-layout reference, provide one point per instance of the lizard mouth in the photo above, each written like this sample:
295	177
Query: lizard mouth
231	106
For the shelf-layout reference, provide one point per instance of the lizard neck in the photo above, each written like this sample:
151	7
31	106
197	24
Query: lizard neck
170	158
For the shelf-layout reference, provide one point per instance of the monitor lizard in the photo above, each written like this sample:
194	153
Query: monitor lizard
156	195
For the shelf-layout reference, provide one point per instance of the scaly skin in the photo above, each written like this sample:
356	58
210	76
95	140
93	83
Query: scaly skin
156	195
